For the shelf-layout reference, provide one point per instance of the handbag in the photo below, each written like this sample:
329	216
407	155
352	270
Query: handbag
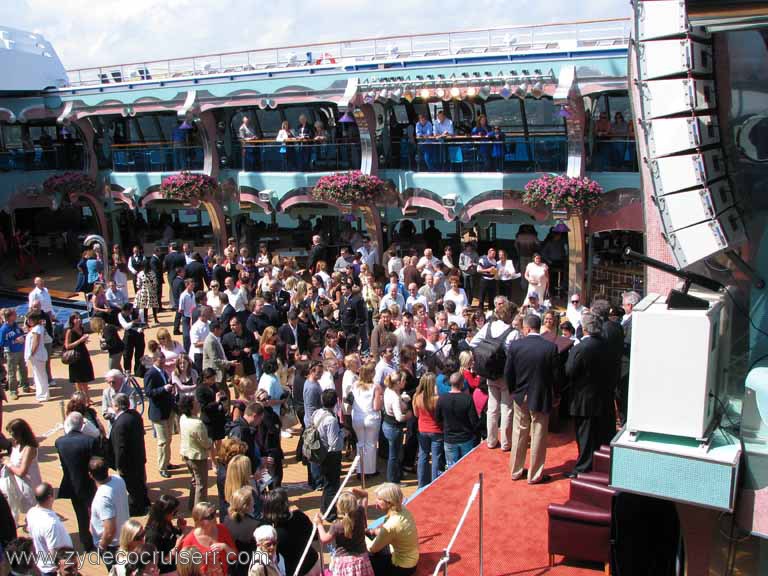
70	357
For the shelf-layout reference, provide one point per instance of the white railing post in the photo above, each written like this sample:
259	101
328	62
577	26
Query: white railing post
480	514
325	514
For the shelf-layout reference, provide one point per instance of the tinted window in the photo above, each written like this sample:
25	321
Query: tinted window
269	122
505	113
292	115
543	116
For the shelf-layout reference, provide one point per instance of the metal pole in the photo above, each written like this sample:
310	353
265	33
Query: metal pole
480	514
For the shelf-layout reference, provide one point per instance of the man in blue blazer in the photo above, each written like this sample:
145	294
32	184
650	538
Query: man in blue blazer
531	371
158	388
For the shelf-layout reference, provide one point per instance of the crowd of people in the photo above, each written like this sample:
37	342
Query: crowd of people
410	371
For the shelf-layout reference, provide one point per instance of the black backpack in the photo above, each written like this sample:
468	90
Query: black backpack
490	355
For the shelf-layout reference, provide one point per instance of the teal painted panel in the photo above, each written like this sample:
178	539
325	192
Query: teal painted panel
280	182
614	180
672	477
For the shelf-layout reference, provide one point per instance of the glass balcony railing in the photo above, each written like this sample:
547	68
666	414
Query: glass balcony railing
467	154
294	156
156	158
613	156
64	156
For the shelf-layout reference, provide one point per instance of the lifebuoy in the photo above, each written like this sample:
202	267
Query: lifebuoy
326	59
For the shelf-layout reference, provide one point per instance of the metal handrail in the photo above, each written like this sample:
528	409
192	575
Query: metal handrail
445	559
495	39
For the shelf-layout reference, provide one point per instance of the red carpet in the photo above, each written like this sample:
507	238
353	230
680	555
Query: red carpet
515	525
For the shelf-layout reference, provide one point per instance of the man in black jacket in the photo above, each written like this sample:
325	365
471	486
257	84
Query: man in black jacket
293	333
270	310
589	377
75	451
354	316
281	299
245	429
158	388
613	335
239	346
531	372
130	457
196	271
177	287
173	260
316	253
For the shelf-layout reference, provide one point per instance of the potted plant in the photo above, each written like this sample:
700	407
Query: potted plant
349	188
69	183
562	193
188	187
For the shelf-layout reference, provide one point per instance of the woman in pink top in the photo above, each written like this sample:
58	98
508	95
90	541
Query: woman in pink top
430	432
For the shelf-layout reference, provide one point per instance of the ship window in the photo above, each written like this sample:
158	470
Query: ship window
292	115
507	114
269	122
401	114
543	116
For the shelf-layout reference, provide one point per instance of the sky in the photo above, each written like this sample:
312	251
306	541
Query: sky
103	32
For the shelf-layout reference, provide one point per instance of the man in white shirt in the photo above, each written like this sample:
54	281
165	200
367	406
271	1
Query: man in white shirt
46	529
405	334
499	398
385	366
575	311
427	262
109	509
368	253
187	305
450	308
40	292
237	298
393	297
197	335
116	298
413	297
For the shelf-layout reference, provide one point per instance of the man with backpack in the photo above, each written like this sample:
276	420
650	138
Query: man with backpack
489	347
312	397
325	428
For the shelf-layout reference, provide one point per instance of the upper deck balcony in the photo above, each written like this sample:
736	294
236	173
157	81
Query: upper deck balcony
370	53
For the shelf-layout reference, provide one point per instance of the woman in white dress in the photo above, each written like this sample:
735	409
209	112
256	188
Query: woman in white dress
537	275
22	463
456	294
506	274
213	299
367	401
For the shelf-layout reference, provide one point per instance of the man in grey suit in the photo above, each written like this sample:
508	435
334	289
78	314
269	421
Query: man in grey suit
213	353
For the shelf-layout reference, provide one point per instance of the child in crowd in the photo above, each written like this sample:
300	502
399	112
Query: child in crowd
348	533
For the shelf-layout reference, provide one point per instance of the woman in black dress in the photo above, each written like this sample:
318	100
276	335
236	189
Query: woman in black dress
80	371
293	530
162	533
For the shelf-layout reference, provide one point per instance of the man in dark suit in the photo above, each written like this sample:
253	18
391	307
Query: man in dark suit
316	253
227	312
293	333
613	335
281	299
354	316
196	271
158	388
589	377
531	372
270	311
177	287
75	451
130	457
174	259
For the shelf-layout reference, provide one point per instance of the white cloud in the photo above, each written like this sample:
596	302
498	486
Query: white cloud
102	32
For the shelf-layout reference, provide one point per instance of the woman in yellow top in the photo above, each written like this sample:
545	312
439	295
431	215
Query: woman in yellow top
398	531
196	446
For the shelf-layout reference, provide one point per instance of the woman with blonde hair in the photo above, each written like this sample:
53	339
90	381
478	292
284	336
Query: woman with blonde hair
268	343
398	532
239	475
228	448
210	539
367	402
299	296
430	432
184	377
241	523
245	388
396	413
348	532
170	348
131	538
